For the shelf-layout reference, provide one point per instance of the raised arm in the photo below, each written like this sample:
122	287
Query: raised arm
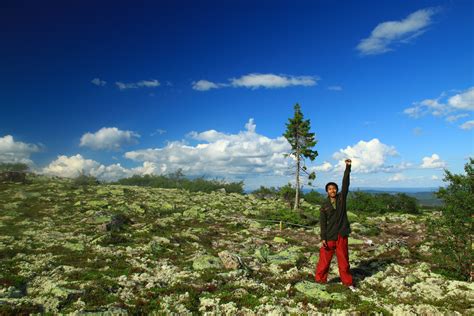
346	178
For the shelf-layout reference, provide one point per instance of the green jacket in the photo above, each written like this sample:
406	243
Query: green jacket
334	221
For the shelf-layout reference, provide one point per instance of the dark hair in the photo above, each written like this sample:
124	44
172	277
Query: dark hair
332	183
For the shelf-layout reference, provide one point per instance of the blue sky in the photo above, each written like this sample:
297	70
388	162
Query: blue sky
148	87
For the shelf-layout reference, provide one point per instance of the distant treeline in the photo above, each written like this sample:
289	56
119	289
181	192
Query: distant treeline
357	201
17	167
179	181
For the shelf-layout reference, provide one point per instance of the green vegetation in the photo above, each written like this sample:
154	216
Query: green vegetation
84	180
112	249
381	203
452	231
179	181
18	167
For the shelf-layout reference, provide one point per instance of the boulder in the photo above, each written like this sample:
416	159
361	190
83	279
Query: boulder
229	260
116	223
316	290
290	255
205	262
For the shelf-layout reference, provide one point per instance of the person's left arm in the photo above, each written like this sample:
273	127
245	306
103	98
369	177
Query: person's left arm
346	179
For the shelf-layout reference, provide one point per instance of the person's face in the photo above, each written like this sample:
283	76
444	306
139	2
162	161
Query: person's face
332	191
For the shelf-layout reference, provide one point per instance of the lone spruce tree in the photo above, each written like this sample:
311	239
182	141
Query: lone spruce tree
302	141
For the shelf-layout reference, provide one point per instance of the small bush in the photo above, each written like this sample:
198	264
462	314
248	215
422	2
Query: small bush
85	180
451	232
314	197
266	193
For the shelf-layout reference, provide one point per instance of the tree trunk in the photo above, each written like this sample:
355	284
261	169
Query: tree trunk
297	195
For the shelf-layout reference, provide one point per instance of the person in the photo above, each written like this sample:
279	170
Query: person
335	229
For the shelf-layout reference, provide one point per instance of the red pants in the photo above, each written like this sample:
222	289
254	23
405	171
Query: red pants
325	256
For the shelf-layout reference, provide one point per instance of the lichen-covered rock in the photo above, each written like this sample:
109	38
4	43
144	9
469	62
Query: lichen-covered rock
290	255
229	260
206	262
317	290
280	240
355	241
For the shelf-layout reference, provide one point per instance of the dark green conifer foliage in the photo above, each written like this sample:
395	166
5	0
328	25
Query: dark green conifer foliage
302	142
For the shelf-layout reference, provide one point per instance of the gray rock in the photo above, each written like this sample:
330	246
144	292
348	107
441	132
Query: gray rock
229	260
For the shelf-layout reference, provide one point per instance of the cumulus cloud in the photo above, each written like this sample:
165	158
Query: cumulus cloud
391	33
108	138
397	178
467	125
257	80
73	166
463	101
433	162
204	85
221	154
140	84
98	82
324	167
12	151
367	157
452	108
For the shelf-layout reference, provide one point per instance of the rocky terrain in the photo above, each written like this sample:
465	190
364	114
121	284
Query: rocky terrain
115	250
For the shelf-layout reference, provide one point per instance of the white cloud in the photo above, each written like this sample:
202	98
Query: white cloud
335	88
220	154
428	106
204	85
445	106
464	100
324	167
467	125
433	162
73	166
367	157
388	34
140	84
454	118
397	178
12	151
108	138
433	177
98	82
256	80
70	167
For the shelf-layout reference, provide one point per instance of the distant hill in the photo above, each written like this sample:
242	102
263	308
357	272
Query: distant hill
425	196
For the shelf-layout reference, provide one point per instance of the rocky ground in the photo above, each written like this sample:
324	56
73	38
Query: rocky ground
120	249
